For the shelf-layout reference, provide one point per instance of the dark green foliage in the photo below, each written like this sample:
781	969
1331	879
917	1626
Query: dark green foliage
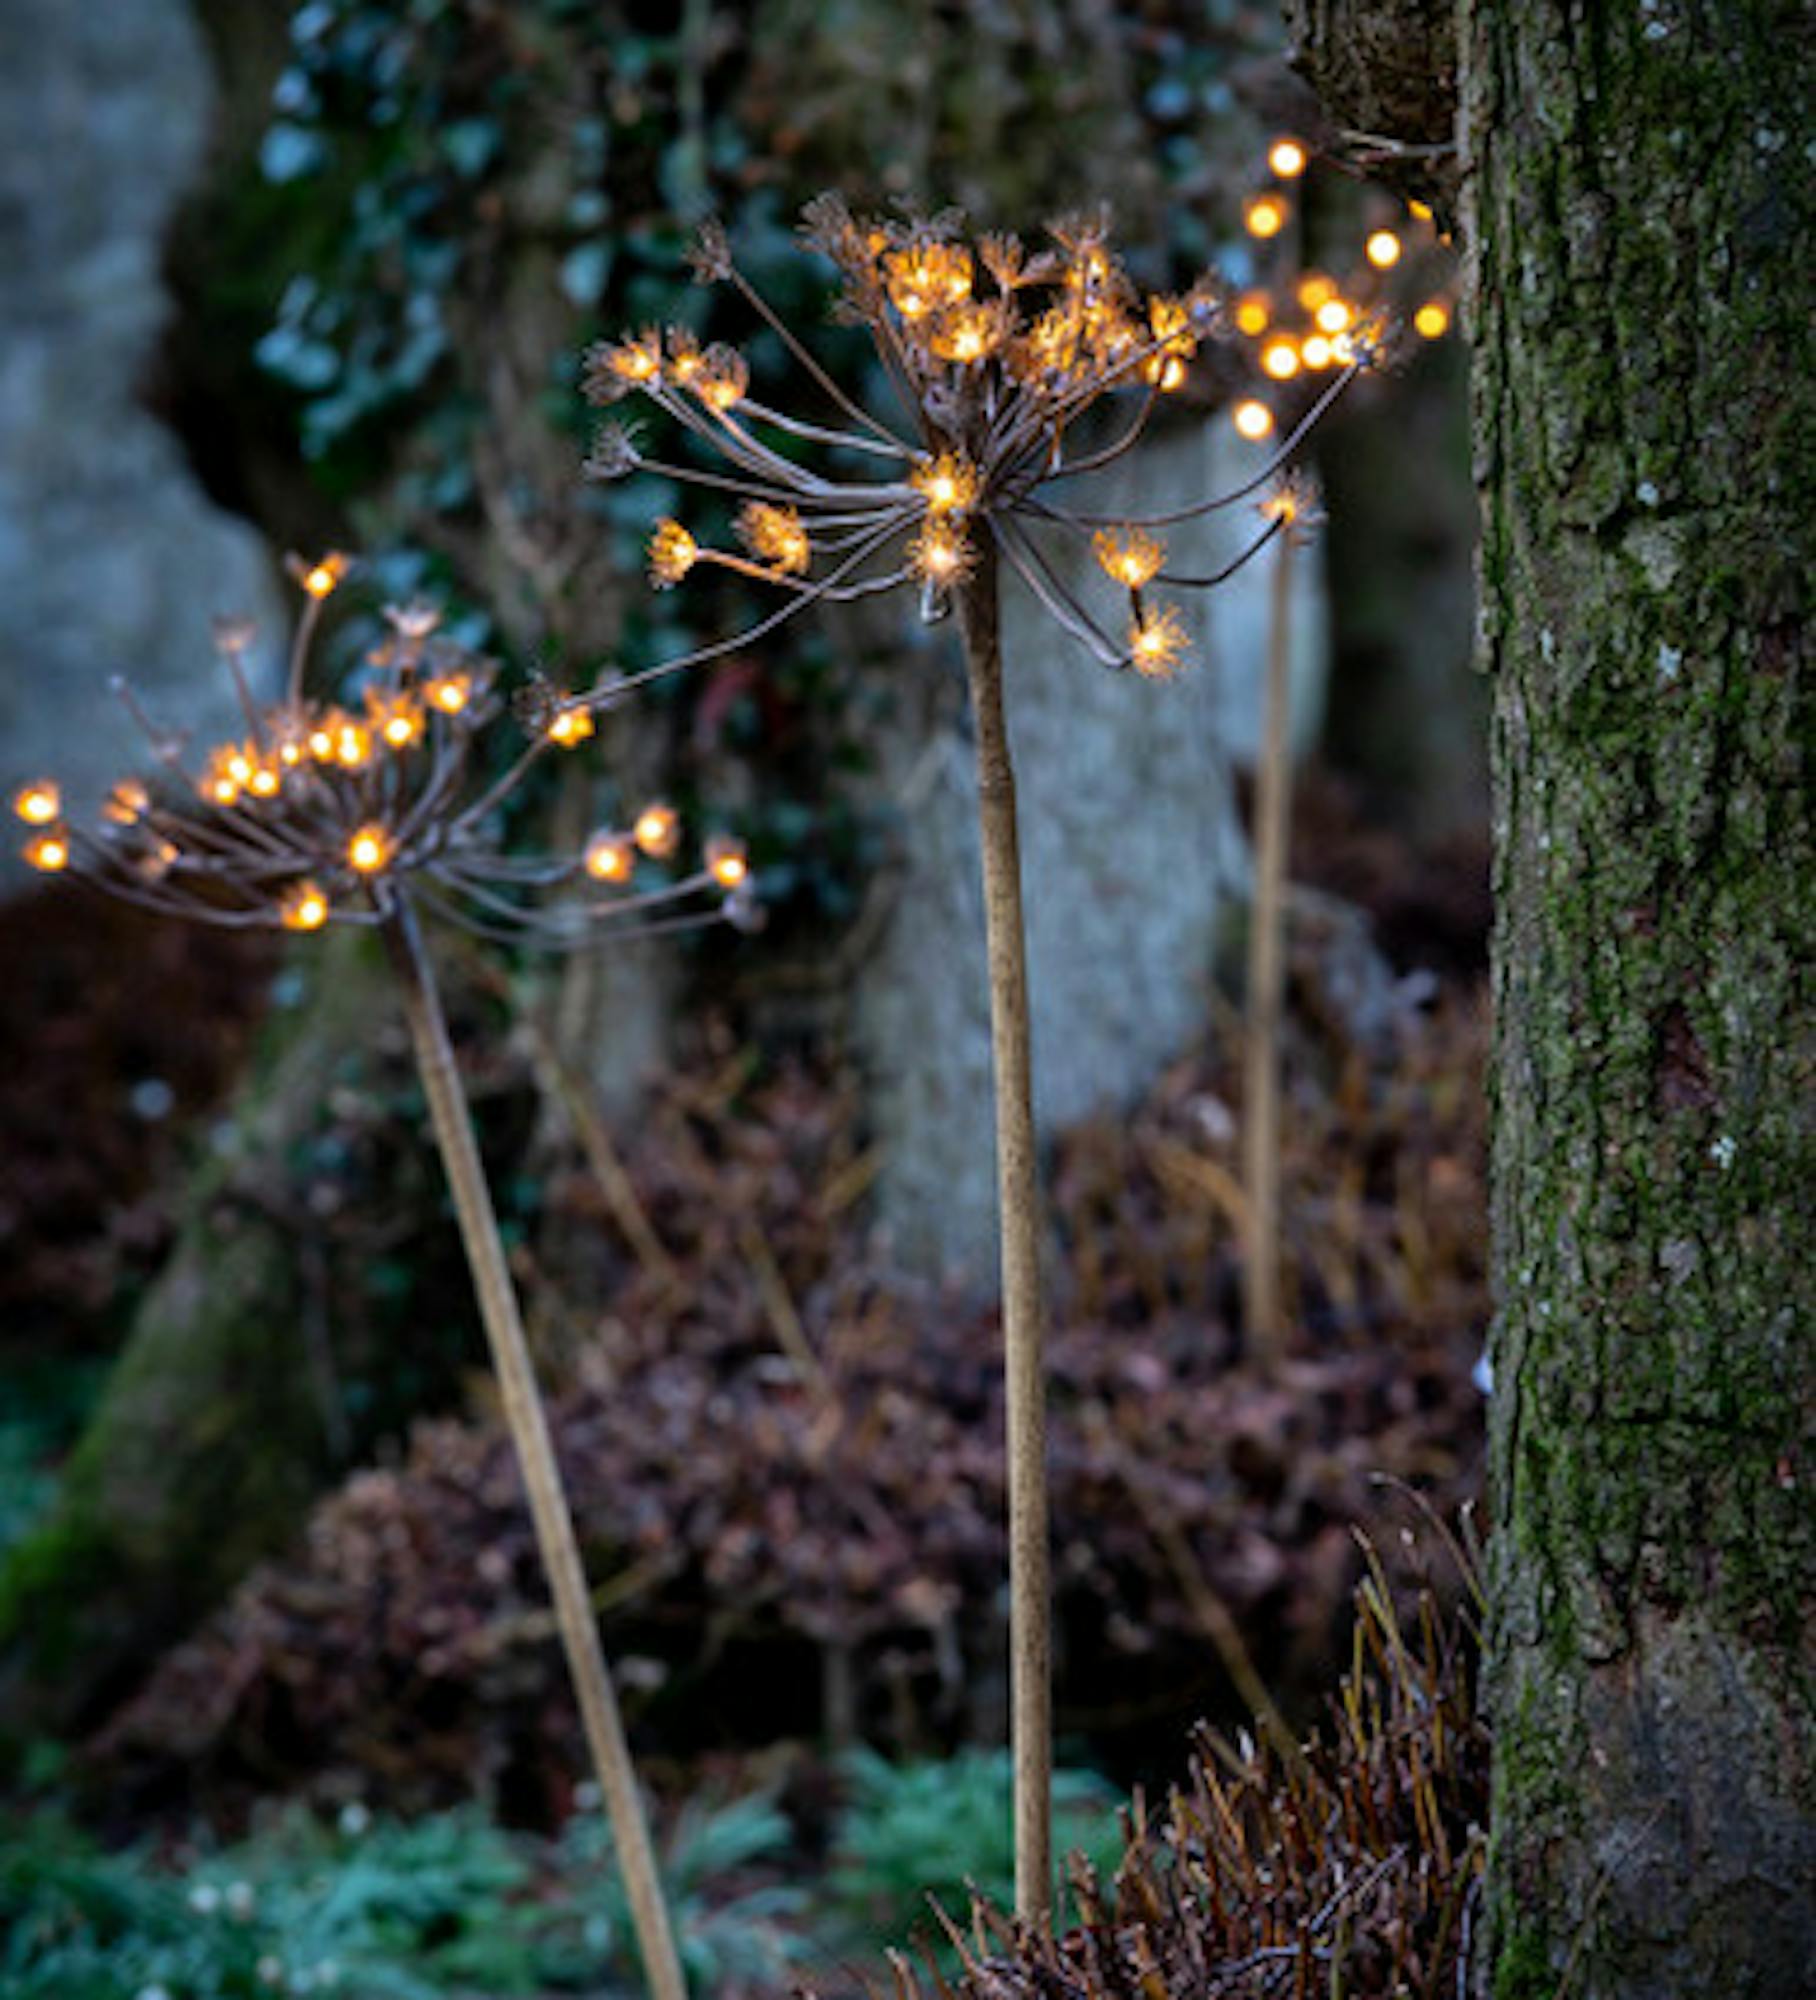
942	1830
382	1910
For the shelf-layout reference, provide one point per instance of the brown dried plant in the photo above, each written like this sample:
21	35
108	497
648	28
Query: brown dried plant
996	355
329	814
1351	1864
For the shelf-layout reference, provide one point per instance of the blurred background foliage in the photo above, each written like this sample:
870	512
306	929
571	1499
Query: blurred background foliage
416	216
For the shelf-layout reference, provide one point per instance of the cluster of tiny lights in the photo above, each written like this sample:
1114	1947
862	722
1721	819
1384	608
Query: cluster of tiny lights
1319	324
995	352
328	811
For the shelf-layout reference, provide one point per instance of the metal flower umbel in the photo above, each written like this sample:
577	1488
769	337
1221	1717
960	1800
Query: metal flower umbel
995	354
364	813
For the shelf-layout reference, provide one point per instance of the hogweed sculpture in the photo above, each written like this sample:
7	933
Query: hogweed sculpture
364	814
996	354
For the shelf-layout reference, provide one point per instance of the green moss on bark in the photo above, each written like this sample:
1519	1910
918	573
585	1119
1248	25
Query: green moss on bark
1637	255
212	1436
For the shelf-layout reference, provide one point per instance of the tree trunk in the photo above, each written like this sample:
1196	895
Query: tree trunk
1631	190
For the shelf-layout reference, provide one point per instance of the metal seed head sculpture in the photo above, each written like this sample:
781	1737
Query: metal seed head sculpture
329	813
995	354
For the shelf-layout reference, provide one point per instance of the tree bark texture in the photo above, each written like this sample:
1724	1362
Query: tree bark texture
1634	183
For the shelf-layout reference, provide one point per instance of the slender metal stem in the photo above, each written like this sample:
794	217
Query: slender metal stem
1266	965
529	1428
1018	1198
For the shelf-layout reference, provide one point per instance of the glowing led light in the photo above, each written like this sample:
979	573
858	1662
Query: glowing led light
1129	556
1420	211
570	726
449	692
657	831
1158	644
322	579
1280	359
1251	313
1316	352
1286	157
1383	249
369	850
726	861
672	553
38	804
948	483
940	555
1264	216
1253	419
723	378
265	782
1432	320
352	745
1314	289
127	803
49	852
305	908
1333	316
775	535
609	857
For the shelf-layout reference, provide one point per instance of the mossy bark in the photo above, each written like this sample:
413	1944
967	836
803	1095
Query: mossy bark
1633	181
216	1429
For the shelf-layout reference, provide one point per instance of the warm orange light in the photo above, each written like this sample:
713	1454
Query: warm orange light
657	831
1314	289
127	803
775	536
1251	313
305	908
1129	556
1264	216
1158	644
1432	320
947	483
1280	359
1333	316
1286	157
570	726
1253	419
1419	210
723	378
1316	352
38	804
449	692
49	852
940	555
321	579
352	745
726	861
369	850
609	857
672	553
265	782
1383	249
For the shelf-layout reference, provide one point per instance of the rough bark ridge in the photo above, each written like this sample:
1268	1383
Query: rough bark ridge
1633	195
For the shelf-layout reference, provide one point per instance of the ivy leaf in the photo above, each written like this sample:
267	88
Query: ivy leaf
289	152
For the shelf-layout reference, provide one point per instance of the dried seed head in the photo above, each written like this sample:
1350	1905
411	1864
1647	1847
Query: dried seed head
672	553
1129	556
775	535
709	259
614	453
1158	644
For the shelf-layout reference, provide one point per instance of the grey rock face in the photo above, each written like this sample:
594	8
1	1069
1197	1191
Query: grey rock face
1129	844
111	557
